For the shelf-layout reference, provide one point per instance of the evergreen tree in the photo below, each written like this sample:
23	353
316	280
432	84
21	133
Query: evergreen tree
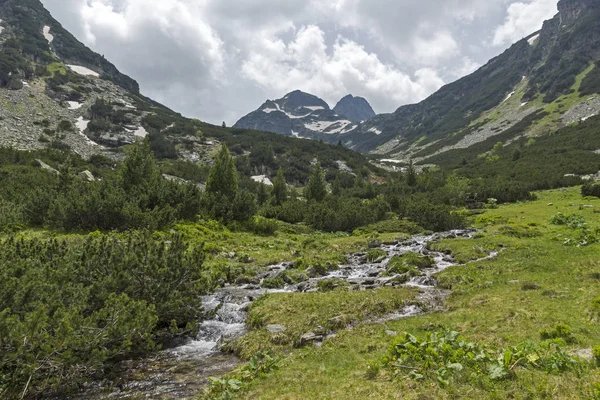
516	155
223	125
316	189
280	191
223	179
139	167
263	194
411	175
336	186
66	175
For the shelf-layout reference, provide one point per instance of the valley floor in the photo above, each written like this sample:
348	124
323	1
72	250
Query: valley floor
540	278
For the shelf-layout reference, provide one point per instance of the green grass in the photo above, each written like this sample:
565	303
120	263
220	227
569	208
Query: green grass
56	67
491	303
289	243
325	313
560	105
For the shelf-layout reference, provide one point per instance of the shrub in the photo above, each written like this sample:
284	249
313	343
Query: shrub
596	352
68	315
560	331
409	263
259	365
263	226
64	126
590	189
273	283
573	221
444	357
395	225
376	254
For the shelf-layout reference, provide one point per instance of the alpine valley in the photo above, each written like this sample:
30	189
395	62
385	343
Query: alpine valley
447	250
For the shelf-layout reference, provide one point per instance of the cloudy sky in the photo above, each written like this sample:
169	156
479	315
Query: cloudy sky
217	60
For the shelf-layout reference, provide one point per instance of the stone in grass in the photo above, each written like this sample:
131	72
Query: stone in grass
276	328
584	354
311	338
530	286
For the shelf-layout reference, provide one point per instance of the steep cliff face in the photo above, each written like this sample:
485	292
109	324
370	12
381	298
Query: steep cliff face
536	86
571	10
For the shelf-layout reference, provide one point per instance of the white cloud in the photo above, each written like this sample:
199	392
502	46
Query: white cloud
523	19
466	67
308	64
219	59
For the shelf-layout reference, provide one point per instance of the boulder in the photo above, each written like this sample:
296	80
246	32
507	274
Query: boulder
311	338
45	166
86	176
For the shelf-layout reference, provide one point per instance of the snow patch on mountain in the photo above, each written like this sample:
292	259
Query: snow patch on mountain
46	32
319	125
82	124
74	105
375	131
1	27
141	132
262	179
78	69
533	39
509	96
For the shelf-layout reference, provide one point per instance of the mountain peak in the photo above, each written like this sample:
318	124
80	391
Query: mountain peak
571	10
298	114
356	109
298	98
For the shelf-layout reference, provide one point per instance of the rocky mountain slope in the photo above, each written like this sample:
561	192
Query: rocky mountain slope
56	92
306	116
542	83
356	109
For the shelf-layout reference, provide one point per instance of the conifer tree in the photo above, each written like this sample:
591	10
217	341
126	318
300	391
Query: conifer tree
316	189
336	186
139	166
223	179
411	175
263	194
280	190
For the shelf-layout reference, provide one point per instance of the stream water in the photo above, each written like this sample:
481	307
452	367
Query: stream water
182	372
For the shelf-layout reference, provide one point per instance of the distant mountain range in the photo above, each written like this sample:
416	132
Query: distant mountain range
545	81
304	115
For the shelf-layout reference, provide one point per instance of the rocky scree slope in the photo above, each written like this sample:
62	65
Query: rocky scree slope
541	72
303	115
56	92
